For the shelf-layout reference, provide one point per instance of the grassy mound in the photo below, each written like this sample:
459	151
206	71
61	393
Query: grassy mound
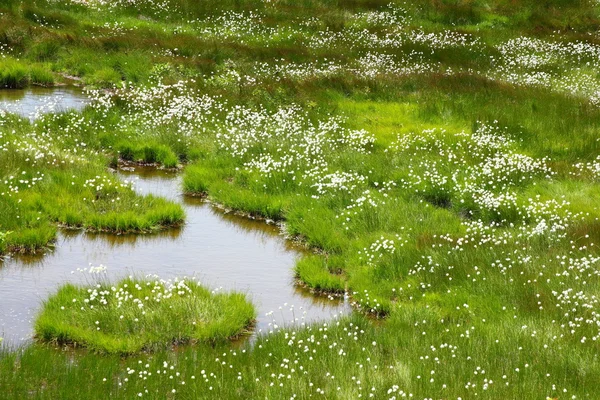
44	184
15	74
136	315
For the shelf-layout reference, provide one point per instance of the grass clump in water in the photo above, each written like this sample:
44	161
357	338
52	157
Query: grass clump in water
13	75
148	153
142	314
76	193
40	76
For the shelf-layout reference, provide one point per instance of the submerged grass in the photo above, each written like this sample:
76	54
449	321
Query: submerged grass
141	314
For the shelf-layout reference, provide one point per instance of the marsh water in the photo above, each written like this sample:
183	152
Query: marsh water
33	101
221	249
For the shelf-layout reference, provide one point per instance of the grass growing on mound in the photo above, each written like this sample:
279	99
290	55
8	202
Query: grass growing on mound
16	74
57	187
135	315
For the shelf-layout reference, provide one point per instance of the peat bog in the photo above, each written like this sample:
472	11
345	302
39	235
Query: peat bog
415	184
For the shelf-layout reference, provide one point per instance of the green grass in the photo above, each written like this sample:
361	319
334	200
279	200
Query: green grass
149	153
353	355
72	37
13	75
141	314
17	74
474	298
314	272
80	194
3	236
41	76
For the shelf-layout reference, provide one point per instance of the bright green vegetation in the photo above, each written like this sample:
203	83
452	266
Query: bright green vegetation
354	355
443	157
134	315
148	153
15	74
45	185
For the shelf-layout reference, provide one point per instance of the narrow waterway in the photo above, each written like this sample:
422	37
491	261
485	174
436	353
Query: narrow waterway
221	249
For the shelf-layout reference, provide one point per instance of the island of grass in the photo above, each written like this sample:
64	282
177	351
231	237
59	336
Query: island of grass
142	314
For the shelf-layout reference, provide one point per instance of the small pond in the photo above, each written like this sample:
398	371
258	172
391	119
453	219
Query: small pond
34	101
223	250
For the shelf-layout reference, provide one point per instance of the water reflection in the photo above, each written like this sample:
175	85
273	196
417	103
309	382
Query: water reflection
222	249
34	101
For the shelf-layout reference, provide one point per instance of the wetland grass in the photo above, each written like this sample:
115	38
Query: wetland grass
442	157
142	314
71	192
17	74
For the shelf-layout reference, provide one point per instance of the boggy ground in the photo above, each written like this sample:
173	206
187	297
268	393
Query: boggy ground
443	156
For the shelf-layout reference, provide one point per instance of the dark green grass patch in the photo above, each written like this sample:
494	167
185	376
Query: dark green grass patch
13	75
16	74
135	315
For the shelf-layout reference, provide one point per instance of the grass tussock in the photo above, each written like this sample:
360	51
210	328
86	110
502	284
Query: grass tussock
77	195
13	75
148	153
134	315
17	75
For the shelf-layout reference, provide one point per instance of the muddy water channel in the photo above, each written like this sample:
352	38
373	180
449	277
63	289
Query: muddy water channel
32	102
221	249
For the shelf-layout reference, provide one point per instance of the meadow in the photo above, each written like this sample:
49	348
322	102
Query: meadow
441	159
